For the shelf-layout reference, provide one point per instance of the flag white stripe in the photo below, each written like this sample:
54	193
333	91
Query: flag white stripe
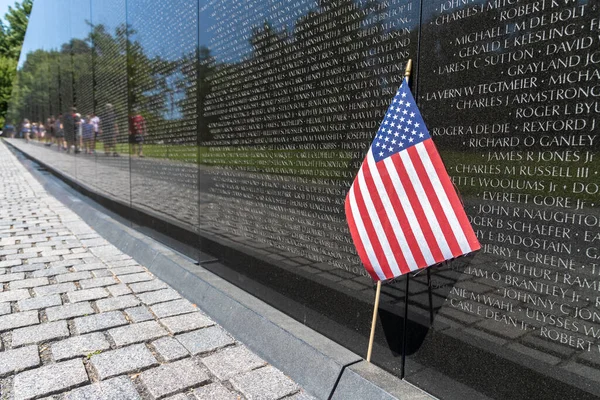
422	196
364	237
385	245
408	210
391	214
443	199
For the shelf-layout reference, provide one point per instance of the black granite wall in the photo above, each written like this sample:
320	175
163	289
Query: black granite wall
258	114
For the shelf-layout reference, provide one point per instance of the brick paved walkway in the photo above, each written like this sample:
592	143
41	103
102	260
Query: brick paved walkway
81	320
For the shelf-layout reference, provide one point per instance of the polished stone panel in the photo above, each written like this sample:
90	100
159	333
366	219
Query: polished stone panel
163	109
507	89
83	85
109	34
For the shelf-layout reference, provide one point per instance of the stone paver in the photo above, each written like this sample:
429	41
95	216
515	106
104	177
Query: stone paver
180	396
9	263
122	361
12	277
87	295
17	320
232	361
136	333
55	289
69	311
205	340
170	349
5	308
214	391
128	270
49	379
99	322
100	273
28	267
120	388
148	286
136	278
173	308
172	378
186	322
73	304
88	267
264	384
79	346
40	333
28	283
128	261
137	314
119	290
50	272
35	303
98	282
16	360
117	303
73	276
14	295
159	296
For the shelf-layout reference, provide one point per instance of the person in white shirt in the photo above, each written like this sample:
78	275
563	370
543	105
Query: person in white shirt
95	121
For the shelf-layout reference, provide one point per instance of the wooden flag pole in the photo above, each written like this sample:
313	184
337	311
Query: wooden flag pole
375	309
405	327
430	296
378	292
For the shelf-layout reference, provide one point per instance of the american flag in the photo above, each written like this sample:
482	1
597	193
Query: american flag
402	209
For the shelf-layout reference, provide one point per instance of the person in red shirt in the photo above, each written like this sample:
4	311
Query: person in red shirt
137	132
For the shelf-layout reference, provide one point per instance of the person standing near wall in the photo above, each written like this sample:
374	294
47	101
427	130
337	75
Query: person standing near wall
137	132
69	129
41	131
78	133
87	134
59	132
95	121
109	130
26	129
50	134
9	131
33	133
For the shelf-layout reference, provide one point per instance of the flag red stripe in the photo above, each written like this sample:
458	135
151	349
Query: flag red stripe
452	195
377	248
360	248
402	218
385	221
440	216
418	210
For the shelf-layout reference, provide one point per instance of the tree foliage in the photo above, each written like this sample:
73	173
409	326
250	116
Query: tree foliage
12	36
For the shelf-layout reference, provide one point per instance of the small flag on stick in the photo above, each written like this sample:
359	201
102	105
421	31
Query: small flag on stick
402	209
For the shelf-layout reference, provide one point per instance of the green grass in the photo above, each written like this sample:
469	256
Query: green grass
170	152
311	163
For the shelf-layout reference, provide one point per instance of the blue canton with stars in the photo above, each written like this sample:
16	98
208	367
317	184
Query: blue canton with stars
402	126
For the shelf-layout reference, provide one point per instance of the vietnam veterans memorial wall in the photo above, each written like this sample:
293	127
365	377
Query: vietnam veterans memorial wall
258	115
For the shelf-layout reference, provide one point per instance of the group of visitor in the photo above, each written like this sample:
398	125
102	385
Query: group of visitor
73	133
31	130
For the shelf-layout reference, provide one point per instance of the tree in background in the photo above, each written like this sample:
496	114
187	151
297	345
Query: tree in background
11	41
